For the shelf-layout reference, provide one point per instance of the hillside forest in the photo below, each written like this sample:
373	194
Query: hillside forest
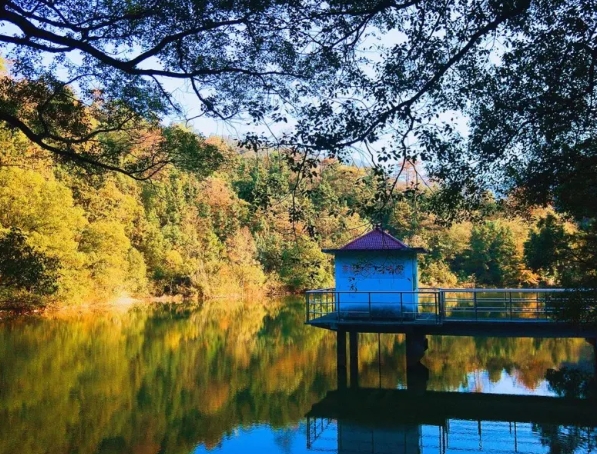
245	222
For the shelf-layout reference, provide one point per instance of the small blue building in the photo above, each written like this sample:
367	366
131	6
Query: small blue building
376	273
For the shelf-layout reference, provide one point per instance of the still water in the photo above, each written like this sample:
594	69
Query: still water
232	377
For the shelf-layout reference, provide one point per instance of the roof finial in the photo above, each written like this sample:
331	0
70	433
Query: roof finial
378	227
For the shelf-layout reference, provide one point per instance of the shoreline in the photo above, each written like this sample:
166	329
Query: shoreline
124	303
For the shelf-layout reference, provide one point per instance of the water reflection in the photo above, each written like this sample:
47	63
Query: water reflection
578	382
225	376
400	421
456	436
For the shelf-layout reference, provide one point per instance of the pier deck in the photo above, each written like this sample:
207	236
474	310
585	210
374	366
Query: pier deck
449	312
386	407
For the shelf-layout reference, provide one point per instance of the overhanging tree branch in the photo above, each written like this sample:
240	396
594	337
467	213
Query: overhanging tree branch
431	83
67	153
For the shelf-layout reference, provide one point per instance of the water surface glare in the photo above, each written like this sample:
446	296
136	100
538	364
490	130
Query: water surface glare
238	377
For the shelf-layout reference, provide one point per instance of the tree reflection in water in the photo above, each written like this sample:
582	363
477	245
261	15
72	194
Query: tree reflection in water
567	439
169	378
572	382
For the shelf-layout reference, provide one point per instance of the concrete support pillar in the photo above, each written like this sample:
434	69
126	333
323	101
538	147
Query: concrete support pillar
354	358
416	346
417	374
341	358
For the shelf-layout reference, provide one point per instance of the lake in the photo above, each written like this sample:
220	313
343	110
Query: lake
238	377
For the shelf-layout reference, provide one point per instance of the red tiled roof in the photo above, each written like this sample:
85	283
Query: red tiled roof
375	240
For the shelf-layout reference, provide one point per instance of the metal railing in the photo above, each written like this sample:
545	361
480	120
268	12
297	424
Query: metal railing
437	305
500	304
406	306
316	427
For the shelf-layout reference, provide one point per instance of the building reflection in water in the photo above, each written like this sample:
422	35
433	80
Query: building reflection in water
401	422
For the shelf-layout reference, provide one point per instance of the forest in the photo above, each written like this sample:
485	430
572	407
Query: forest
244	223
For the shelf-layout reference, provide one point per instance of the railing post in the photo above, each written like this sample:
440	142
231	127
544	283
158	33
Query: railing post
319	304
341	358
333	295
475	305
307	307
511	315
401	306
353	337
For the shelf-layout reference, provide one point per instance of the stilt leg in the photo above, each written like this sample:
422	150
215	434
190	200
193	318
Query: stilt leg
417	374
341	359
354	359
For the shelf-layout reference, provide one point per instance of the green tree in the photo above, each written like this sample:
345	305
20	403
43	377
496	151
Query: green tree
107	251
491	257
547	249
437	274
22	267
44	210
304	266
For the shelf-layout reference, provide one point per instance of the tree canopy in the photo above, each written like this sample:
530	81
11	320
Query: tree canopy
384	76
80	69
22	267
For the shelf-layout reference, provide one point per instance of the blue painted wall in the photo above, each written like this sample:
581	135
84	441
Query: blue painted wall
365	275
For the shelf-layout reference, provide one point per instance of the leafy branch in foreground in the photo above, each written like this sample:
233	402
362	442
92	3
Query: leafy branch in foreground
123	60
